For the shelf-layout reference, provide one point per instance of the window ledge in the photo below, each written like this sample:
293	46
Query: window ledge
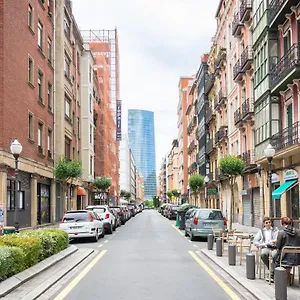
41	103
50	111
31	84
41	155
31	30
50	159
30	140
50	65
42	2
41	52
68	119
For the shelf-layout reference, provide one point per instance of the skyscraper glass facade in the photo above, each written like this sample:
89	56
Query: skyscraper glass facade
141	137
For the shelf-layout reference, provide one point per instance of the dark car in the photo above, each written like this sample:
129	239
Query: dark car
171	212
121	213
131	209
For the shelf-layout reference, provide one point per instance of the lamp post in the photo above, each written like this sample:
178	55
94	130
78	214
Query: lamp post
178	195
16	149
206	180
188	188
269	153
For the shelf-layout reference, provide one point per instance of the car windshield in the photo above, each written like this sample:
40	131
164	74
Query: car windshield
76	217
174	207
210	215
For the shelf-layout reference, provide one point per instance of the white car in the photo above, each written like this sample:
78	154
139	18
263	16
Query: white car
82	224
104	212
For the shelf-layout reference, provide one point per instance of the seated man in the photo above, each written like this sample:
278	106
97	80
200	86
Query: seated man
265	238
288	236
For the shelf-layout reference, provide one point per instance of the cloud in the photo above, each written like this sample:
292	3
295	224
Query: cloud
159	41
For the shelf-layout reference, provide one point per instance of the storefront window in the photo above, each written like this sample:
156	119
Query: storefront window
11	195
43	216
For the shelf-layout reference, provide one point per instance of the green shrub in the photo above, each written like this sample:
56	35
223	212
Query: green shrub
12	261
32	247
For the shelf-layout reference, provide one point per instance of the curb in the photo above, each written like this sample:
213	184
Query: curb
17	280
248	285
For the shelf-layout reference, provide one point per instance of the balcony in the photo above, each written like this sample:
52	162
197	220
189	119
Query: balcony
210	146
210	115
221	134
249	158
278	10
285	70
209	83
192	147
246	59
248	109
221	97
245	10
287	137
220	60
211	176
192	124
192	167
237	72
237	25
237	116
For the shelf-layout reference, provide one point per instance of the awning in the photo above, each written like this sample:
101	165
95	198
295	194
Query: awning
283	188
80	191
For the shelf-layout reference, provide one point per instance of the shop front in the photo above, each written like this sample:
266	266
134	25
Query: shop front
43	203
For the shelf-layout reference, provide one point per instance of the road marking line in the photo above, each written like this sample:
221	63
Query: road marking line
195	245
100	246
105	241
176	229
76	280
226	288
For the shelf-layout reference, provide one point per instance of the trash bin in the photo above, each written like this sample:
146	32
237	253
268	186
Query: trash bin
9	230
181	219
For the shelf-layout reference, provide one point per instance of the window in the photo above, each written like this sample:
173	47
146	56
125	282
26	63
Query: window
30	16
49	143
30	70
260	62
67	109
40	35
49	50
78	62
40	86
67	25
30	126
91	165
40	137
91	134
90	104
90	74
67	148
49	95
67	64
78	127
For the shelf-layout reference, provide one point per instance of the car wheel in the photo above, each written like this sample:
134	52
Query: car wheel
185	233
192	238
110	230
114	227
96	237
103	233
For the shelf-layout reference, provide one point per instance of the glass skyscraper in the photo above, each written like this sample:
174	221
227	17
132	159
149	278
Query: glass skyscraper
141	138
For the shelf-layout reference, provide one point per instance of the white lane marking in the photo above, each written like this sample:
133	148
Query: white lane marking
100	246
189	241
105	241
195	245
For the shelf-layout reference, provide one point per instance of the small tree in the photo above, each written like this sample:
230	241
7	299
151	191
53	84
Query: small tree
66	171
196	182
169	194
102	184
127	196
122	193
231	167
156	201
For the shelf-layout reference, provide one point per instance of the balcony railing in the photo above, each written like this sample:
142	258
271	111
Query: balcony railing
210	146
247	108
221	97
220	59
237	72
221	134
245	10
237	116
287	137
285	65
249	157
246	58
192	147
210	114
192	124
236	25
193	167
209	83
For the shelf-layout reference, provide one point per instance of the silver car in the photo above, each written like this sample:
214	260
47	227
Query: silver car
201	222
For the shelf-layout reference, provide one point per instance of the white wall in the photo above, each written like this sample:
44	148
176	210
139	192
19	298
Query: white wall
125	164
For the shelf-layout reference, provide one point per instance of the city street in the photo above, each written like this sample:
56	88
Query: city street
145	259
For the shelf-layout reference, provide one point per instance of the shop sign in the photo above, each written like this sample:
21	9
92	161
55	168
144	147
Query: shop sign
275	178
290	174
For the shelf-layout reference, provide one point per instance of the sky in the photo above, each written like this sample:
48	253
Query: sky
159	41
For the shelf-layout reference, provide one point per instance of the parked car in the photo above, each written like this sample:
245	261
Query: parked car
172	212
82	224
201	221
131	210
120	214
126	212
104	212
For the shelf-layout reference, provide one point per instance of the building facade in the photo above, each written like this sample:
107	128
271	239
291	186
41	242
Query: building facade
141	136
172	167
163	183
27	111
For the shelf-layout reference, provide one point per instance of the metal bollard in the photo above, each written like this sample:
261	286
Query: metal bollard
280	284
232	255
210	242
250	266
219	247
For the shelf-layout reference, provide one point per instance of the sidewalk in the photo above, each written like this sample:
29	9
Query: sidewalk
245	228
258	287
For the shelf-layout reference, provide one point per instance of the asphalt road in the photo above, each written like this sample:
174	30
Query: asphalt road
145	259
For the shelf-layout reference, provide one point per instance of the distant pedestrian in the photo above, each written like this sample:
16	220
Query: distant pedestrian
266	239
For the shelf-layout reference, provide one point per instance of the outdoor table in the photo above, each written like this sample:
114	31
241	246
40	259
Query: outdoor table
241	237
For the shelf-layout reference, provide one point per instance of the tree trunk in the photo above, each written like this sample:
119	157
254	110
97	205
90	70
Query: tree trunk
231	204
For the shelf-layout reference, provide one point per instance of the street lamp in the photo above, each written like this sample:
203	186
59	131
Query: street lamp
188	188
206	180
16	149
269	153
178	194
